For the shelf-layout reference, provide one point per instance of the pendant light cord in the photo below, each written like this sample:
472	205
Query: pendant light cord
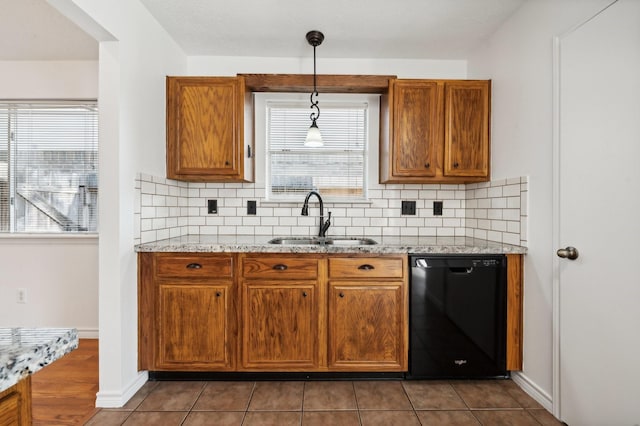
314	104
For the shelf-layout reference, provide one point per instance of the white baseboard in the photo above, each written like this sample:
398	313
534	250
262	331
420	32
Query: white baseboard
533	390
114	399
87	333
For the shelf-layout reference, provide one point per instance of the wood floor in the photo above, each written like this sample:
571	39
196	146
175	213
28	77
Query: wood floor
64	393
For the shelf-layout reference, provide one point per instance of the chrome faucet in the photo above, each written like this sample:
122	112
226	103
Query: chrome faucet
324	226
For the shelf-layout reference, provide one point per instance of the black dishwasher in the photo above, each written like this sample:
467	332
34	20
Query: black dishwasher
457	316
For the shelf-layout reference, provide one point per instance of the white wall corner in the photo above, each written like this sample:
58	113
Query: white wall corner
532	389
117	399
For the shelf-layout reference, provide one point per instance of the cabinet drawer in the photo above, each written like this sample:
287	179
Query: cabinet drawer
366	267
194	266
280	267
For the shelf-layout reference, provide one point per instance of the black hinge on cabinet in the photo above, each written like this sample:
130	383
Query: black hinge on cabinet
248	151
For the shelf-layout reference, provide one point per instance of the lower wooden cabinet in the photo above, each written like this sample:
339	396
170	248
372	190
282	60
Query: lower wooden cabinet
367	326
272	312
280	325
194	326
15	404
187	315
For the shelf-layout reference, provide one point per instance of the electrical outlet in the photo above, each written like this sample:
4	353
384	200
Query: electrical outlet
212	206
251	207
409	208
437	208
21	295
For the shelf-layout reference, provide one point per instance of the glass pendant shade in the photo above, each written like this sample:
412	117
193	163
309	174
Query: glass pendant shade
314	138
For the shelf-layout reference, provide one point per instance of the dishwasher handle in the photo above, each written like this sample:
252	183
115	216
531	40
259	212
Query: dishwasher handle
422	263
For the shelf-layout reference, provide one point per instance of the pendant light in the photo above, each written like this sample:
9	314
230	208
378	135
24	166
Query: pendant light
314	138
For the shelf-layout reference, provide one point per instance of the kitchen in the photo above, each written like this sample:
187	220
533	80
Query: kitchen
517	58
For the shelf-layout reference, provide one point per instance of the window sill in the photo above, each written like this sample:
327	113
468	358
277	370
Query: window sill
37	237
281	203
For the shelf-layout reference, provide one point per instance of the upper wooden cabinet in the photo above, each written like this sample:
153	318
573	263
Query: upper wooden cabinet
466	128
435	131
205	130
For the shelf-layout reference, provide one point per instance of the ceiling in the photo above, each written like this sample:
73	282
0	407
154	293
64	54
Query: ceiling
33	30
420	29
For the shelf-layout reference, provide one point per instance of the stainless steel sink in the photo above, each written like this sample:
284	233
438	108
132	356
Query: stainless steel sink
346	241
290	241
336	241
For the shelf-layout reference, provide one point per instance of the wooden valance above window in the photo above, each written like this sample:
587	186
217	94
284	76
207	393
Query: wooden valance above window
325	83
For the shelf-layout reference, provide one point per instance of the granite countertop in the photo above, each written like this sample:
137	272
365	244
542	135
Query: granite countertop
24	351
386	245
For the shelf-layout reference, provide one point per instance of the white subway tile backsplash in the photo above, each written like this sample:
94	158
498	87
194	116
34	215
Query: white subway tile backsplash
494	191
498	203
494	210
427	232
509	238
445	195
495	214
445	232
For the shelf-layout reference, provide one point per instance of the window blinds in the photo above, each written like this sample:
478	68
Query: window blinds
336	170
52	158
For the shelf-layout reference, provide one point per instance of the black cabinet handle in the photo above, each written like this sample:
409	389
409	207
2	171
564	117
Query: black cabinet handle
280	267
455	165
427	165
218	294
366	267
341	295
226	163
194	266
304	294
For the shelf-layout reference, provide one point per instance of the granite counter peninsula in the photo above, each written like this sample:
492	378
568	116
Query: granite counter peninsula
23	351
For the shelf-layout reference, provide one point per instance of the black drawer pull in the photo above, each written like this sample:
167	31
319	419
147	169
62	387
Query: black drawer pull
341	295
427	165
455	165
304	294
280	267
218	294
366	267
194	266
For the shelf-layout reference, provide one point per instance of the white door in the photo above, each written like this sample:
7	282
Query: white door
597	211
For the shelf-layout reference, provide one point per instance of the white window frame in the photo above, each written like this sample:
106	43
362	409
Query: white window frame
370	172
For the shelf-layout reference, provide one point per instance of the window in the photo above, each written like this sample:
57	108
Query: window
338	170
48	167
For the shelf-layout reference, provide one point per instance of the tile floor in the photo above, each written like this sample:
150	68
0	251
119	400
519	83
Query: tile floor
388	402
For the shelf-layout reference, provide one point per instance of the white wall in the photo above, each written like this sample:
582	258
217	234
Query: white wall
518	58
48	79
403	68
59	274
135	56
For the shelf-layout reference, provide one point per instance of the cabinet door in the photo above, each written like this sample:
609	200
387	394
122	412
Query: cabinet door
205	128
280	325
367	326
194	327
416	128
15	404
466	149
